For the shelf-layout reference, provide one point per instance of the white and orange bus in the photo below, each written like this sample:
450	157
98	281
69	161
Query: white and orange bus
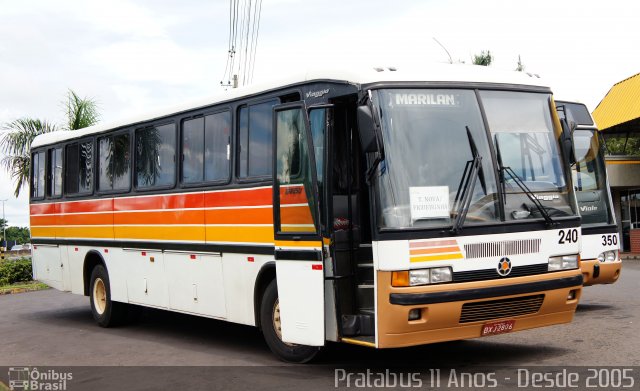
383	207
600	258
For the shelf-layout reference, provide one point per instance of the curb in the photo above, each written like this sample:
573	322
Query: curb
12	291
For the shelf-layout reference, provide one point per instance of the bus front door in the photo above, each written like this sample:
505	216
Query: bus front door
298	244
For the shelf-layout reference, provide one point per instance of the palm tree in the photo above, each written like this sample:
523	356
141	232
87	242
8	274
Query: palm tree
15	143
484	58
81	112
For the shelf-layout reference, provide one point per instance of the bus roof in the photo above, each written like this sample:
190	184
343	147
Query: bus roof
454	73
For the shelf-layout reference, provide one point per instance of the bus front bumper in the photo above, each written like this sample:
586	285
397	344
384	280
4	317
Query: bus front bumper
596	272
460	310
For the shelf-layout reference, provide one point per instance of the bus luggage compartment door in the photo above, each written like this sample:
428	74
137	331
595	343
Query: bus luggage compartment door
301	296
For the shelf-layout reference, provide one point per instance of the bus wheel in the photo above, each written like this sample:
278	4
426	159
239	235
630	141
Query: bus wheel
107	313
270	324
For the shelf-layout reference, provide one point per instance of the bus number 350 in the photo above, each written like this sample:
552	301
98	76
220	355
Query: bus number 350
568	236
610	240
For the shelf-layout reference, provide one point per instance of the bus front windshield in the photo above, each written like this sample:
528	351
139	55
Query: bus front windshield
432	140
589	178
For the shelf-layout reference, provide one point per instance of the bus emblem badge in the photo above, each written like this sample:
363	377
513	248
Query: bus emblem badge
504	267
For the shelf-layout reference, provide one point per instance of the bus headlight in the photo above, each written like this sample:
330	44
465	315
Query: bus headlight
434	275
440	274
564	262
608	256
419	277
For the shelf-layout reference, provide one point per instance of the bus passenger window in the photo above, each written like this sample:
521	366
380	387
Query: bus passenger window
37	179
205	148
55	172
114	160
155	156
255	139
217	144
192	150
79	168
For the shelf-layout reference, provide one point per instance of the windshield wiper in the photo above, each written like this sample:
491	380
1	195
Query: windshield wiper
502	169
543	211
472	170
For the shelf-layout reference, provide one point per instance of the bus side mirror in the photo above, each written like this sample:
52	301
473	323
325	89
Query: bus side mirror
567	142
367	129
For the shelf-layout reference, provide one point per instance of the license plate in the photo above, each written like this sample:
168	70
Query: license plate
493	328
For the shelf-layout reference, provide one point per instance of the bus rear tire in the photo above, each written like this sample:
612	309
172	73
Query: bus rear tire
269	322
106	313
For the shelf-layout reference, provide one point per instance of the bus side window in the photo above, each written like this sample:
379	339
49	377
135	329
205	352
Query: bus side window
38	177
79	168
255	135
205	148
156	156
54	169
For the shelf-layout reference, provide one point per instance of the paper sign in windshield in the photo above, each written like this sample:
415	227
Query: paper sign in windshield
429	202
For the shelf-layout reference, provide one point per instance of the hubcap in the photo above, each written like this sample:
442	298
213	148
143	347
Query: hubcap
277	324
99	296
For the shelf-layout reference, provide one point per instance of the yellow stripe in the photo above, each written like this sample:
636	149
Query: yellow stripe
358	342
623	161
162	232
240	234
298	228
437	257
105	232
295	243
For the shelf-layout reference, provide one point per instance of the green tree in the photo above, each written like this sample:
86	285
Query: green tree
520	67
21	235
484	58
16	144
19	134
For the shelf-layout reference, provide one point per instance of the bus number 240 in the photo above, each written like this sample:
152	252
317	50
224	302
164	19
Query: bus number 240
568	236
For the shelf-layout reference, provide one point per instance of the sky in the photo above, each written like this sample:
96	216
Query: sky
134	56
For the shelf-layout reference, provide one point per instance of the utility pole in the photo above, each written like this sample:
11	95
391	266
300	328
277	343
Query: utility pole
4	226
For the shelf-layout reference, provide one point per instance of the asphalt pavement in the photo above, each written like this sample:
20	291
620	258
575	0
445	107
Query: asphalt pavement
167	350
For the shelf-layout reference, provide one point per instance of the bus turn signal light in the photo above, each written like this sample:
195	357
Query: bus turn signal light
400	278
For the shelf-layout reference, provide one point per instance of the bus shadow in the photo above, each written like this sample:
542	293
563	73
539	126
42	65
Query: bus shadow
438	355
593	307
216	336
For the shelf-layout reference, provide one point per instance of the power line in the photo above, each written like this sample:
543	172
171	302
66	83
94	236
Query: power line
226	66
244	27
255	45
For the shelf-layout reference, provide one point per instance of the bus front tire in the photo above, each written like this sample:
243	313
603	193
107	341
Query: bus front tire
106	313
269	322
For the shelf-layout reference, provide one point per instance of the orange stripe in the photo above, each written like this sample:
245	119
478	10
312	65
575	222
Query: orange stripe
296	215
160	217
435	250
239	216
80	219
434	243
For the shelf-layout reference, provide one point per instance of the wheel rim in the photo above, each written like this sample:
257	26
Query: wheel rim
277	323
99	296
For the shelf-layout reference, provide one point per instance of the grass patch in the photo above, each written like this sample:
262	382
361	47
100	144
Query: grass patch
20	287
